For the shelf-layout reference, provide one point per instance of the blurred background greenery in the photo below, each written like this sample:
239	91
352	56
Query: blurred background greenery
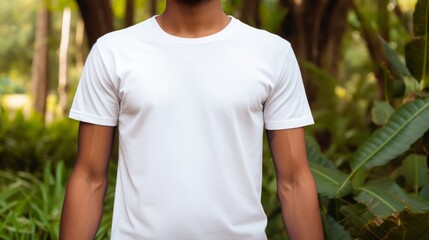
365	70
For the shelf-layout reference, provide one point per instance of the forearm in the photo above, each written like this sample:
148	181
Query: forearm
83	206
300	207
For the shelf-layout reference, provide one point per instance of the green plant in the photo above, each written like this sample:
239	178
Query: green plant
358	193
26	143
30	204
402	225
416	51
387	174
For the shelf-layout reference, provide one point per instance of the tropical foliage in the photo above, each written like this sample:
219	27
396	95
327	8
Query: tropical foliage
364	192
368	151
30	205
27	144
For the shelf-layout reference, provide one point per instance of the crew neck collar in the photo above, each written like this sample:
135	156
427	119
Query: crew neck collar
193	41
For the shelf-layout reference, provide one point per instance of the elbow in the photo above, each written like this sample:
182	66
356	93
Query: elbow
95	181
286	186
293	183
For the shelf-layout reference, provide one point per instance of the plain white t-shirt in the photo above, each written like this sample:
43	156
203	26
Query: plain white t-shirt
191	114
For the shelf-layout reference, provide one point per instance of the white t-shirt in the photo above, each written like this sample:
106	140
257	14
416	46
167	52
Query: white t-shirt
191	114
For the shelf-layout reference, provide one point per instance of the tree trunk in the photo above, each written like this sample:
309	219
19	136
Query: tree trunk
63	61
97	17
376	51
79	38
129	13
316	29
40	65
153	9
250	13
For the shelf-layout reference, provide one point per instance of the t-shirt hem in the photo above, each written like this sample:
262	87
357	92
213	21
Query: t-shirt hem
293	123
85	117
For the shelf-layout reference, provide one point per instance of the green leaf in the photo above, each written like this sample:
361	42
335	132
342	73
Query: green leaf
420	18
381	112
397	64
419	45
394	87
405	225
7	207
334	230
411	85
379	202
359	178
415	171
7	193
404	127
328	181
60	180
411	201
5	221
425	192
415	57
408	81
355	216
315	155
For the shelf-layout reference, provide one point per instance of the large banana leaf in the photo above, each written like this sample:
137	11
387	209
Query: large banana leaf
384	196
413	202
327	177
328	181
380	202
404	127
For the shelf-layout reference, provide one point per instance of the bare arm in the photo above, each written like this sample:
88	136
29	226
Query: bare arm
295	184
83	204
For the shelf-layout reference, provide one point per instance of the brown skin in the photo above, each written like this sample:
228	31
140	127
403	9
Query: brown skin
192	21
295	184
83	203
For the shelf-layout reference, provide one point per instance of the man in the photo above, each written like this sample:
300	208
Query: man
190	91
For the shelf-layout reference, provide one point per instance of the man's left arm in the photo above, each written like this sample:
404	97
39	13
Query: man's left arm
295	184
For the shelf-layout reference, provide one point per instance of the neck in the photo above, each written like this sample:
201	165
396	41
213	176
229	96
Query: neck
193	20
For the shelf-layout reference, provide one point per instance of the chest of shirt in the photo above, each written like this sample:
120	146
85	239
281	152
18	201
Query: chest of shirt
207	78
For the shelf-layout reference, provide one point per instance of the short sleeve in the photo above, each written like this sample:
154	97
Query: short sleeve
96	100
287	106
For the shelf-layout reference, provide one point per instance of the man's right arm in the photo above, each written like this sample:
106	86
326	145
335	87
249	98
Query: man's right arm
83	203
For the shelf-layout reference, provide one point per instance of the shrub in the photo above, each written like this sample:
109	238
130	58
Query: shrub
26	143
